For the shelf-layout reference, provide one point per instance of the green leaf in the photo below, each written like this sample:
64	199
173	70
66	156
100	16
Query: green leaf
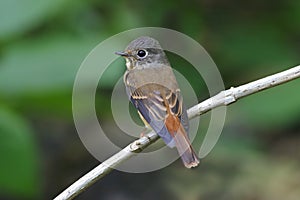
20	16
19	161
43	65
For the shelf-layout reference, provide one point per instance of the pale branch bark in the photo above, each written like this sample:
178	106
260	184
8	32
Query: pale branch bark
223	98
231	95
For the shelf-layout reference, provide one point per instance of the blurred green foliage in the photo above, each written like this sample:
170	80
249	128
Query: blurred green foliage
42	44
19	168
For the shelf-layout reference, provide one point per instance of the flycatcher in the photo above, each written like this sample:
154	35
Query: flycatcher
152	88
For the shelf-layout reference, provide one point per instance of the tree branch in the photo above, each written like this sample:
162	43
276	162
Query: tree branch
223	98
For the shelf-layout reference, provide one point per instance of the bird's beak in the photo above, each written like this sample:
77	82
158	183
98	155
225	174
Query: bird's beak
122	53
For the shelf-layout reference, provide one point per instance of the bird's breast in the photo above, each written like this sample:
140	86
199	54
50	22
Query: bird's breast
160	75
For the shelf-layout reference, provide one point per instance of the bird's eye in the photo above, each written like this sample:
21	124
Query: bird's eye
142	53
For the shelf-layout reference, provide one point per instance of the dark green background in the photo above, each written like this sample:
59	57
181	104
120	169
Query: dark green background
42	44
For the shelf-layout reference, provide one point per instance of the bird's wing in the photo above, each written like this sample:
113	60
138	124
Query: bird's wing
155	103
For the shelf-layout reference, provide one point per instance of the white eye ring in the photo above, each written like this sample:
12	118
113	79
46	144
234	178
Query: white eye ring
142	53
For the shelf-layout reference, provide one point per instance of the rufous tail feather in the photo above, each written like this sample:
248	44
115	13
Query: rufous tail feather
185	150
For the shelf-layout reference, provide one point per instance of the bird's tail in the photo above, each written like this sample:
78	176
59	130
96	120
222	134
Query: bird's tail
185	150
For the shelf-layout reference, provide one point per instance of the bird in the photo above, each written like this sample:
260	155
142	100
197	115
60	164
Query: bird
152	88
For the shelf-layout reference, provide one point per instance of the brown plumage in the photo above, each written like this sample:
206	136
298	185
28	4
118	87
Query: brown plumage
152	88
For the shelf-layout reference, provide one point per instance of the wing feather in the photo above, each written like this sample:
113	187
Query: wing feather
151	105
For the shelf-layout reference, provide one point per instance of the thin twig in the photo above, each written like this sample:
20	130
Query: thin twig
224	98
